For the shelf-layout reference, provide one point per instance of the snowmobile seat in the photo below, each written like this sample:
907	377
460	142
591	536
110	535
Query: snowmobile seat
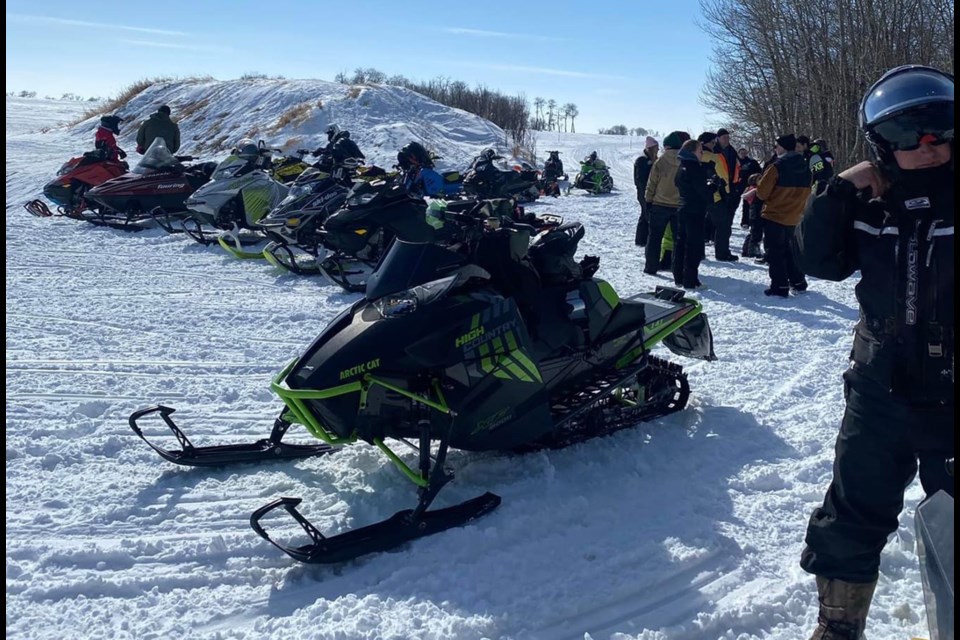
552	254
503	253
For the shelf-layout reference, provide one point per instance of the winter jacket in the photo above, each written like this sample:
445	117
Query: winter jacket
661	188
158	125
821	168
345	148
691	182
553	168
902	244
730	165
748	167
784	188
716	166
107	142
424	182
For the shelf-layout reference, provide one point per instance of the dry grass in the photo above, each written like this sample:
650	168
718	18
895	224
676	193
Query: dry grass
295	115
217	143
121	100
192	108
319	104
252	131
354	92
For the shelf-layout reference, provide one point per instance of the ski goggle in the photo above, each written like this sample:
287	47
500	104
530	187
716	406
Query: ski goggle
907	131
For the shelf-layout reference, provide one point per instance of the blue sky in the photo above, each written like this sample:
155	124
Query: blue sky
639	63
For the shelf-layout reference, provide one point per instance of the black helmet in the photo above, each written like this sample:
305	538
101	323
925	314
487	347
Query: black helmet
818	146
488	154
343	135
907	106
111	122
247	148
332	132
414	153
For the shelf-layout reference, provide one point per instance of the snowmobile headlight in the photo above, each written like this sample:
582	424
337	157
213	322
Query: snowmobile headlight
293	222
397	304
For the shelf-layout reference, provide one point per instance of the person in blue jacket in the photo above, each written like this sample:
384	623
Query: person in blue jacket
420	177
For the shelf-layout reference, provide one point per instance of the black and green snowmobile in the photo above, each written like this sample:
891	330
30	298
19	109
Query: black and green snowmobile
492	344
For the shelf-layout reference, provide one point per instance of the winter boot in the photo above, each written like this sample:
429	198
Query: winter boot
843	609
783	292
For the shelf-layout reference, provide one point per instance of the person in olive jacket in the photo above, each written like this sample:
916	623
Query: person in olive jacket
159	125
892	220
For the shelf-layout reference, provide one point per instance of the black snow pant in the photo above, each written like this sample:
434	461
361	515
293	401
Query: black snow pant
881	441
756	230
660	217
722	218
784	272
643	225
688	248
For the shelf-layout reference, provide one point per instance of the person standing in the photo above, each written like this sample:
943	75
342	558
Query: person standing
735	181
641	173
821	164
748	167
784	188
159	125
718	212
695	197
892	220
662	198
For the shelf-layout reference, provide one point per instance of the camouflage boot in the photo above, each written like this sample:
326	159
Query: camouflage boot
843	609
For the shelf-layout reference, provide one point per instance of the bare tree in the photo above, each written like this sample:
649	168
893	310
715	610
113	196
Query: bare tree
574	112
538	103
551	108
803	67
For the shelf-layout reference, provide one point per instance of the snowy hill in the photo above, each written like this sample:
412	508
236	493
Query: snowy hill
685	528
292	114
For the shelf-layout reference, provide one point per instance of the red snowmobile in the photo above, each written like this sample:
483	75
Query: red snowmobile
156	189
69	188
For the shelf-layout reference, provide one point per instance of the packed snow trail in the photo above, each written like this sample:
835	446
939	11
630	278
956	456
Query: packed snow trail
685	528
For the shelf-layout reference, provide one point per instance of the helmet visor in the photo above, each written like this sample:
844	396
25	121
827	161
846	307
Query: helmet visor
901	91
907	131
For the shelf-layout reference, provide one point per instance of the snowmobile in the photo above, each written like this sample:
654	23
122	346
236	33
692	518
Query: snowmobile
160	179
359	234
294	225
75	178
934	524
594	176
480	346
286	169
552	175
485	180
240	193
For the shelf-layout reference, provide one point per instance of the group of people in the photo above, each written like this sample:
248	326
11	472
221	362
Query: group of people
158	125
891	219
690	194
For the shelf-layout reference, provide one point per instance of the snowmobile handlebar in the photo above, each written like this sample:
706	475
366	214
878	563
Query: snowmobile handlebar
184	158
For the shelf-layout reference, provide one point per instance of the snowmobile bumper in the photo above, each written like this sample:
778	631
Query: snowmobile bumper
292	258
400	528
263	450
233	244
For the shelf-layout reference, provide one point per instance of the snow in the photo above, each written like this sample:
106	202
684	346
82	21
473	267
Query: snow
686	528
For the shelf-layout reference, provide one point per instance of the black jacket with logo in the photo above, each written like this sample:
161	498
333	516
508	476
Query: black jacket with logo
902	244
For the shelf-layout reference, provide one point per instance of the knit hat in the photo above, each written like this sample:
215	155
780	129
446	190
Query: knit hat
722	132
674	139
801	139
788	141
650	142
164	109
707	137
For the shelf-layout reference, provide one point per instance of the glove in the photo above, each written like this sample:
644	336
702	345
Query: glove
121	153
140	149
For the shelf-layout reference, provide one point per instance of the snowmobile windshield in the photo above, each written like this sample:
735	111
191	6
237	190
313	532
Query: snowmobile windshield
409	264
229	167
157	158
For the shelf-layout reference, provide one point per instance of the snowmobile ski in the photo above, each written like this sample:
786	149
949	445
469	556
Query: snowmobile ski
216	456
